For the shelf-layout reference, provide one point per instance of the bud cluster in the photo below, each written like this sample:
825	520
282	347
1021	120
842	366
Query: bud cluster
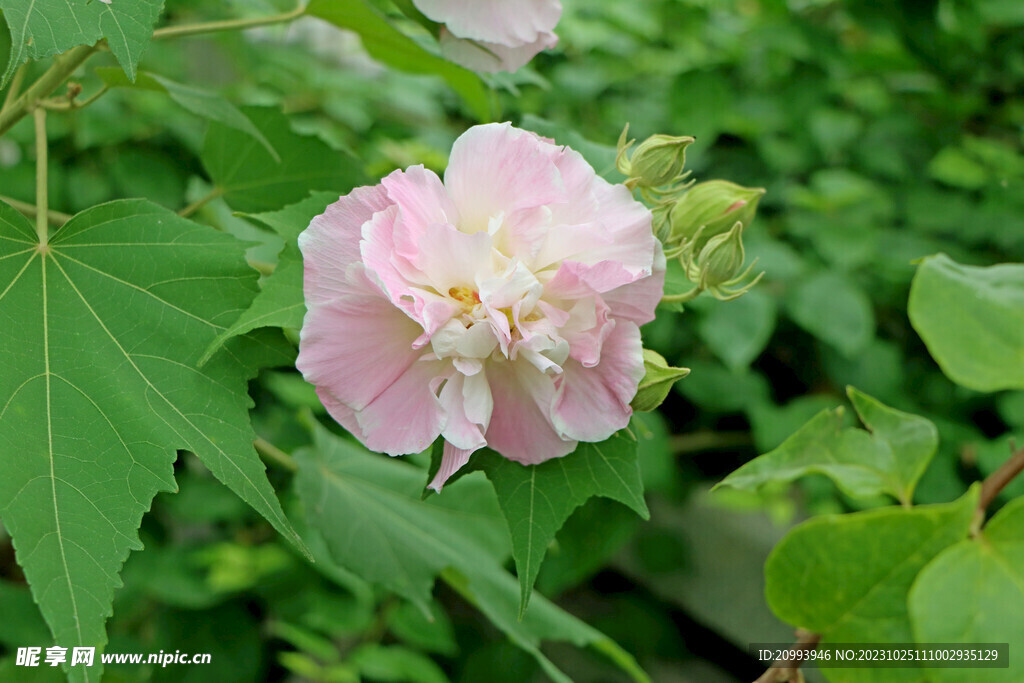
700	224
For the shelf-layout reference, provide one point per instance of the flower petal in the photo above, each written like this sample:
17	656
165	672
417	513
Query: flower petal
452	460
467	403
407	416
498	21
331	242
356	347
490	57
591	404
497	170
521	428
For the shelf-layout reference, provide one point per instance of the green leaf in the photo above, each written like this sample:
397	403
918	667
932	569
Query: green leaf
47	27
388	45
252	181
281	302
200	102
911	439
395	663
103	329
829	307
394	539
953	166
537	499
890	459
973	592
847	576
972	321
737	331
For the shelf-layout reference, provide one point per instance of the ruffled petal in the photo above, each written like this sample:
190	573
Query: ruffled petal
497	21
489	57
521	428
452	460
330	245
496	170
468	404
356	347
591	404
407	416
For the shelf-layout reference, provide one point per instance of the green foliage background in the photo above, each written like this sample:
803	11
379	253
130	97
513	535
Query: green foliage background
883	133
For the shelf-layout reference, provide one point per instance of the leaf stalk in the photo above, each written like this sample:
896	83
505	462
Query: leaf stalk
227	25
42	223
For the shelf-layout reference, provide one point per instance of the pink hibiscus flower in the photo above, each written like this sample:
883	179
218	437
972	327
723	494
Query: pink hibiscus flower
499	308
493	35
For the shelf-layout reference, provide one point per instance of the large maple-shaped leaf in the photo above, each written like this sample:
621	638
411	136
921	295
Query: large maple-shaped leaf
102	329
40	28
367	507
537	499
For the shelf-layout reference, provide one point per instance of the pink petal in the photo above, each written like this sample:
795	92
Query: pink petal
356	347
452	460
406	417
467	403
496	170
521	428
621	232
341	413
488	57
497	21
591	404
421	200
331	242
451	258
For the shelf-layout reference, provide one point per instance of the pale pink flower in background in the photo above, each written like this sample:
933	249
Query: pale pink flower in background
493	35
499	308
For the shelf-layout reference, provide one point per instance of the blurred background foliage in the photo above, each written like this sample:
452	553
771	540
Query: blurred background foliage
883	132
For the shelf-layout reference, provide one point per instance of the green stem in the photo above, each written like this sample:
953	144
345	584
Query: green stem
75	104
227	25
63	66
696	442
56	218
201	202
274	455
12	90
42	227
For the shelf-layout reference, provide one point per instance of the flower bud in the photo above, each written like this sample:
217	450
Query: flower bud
661	220
656	162
714	205
658	379
722	257
718	267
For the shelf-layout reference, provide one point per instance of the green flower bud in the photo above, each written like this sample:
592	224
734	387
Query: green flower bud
722	257
659	377
661	220
718	267
656	162
715	206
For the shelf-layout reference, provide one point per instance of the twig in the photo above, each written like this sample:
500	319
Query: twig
201	202
56	218
15	86
997	481
227	25
706	440
275	455
783	670
63	66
